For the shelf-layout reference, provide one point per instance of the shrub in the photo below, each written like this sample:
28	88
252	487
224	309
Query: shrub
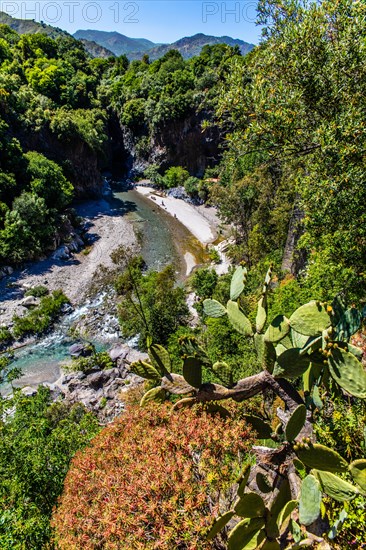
98	361
152	479
38	440
37	291
40	318
5	335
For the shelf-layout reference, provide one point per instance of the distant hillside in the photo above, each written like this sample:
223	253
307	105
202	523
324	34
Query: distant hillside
190	46
135	48
29	26
96	50
114	41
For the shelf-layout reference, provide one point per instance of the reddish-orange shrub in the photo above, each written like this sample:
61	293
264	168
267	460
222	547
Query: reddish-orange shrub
151	480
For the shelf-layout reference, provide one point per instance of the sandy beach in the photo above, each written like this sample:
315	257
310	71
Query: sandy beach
199	220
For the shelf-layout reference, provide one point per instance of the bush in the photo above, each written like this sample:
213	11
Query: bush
175	176
37	291
41	317
151	480
5	335
98	361
38	440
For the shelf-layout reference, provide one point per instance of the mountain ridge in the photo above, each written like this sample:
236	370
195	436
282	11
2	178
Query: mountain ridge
188	46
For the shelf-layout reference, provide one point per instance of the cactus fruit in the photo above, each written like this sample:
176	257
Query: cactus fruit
224	373
310	319
335	487
219	524
250	505
263	429
296	423
243	480
310	499
159	358
348	372
262	483
277	330
290	364
192	371
237	318
261	317
320	457
247	534
145	370
237	282
213	308
175	383
358	472
155	394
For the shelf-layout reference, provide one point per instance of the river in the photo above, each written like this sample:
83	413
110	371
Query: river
164	240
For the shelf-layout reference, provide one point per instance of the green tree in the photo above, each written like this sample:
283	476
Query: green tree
48	181
38	440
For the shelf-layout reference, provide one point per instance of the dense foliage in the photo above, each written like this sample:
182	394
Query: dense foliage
151	480
297	107
38	440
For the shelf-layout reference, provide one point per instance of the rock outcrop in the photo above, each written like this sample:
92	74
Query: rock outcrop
101	391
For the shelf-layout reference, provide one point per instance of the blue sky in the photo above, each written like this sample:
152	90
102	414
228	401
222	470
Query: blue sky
159	21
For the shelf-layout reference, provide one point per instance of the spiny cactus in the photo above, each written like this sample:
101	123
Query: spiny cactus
335	487
310	500
296	423
347	371
320	457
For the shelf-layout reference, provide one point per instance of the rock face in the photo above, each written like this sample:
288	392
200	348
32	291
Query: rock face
79	161
175	143
101	391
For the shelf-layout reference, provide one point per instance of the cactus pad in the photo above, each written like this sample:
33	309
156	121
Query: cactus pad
250	505
358	472
310	319
348	372
247	534
213	308
277	330
243	480
219	524
322	458
237	318
155	394
224	373
296	423
348	324
290	364
310	499
145	370
261	317
237	282
192	371
159	358
335	487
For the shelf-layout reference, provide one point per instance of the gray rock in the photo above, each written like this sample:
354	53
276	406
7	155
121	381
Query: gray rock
30	301
118	352
62	253
80	350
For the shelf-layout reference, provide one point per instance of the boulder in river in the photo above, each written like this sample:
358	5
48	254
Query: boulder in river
80	350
